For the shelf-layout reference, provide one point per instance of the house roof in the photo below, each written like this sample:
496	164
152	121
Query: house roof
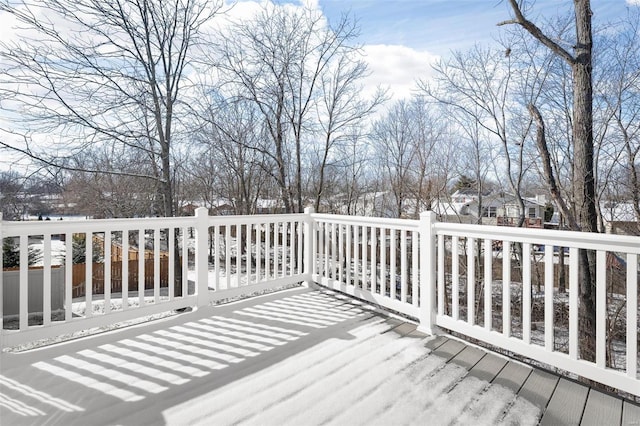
618	212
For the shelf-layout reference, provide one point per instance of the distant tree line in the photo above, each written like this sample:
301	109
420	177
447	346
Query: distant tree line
142	108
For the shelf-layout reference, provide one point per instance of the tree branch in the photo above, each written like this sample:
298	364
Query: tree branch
543	150
537	33
58	165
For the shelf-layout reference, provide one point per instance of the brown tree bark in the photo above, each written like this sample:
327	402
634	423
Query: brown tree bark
584	180
586	218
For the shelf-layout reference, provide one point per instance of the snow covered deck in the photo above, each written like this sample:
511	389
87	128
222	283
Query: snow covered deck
296	357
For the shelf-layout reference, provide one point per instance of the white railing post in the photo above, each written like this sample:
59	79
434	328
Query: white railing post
427	274
309	243
202	264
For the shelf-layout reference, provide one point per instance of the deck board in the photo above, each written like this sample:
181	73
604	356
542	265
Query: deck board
468	357
404	328
513	376
416	334
488	367
393	323
435	342
630	414
602	410
449	349
566	405
538	387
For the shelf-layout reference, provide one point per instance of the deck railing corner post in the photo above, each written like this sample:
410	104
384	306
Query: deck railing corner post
202	265
427	273
308	238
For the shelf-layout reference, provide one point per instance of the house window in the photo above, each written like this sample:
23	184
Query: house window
532	213
490	212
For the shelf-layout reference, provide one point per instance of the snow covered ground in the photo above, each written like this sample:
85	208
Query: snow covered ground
58	251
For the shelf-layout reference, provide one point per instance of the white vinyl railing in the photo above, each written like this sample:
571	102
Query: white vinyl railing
253	253
129	299
523	270
373	259
499	285
132	268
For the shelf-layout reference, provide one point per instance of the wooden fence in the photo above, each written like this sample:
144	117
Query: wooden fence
116	253
79	272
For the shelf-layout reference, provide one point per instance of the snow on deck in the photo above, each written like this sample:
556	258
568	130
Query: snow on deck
299	357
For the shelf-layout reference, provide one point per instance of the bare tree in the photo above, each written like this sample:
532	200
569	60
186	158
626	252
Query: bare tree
340	111
395	148
621	93
470	140
351	170
583	148
109	195
433	154
13	202
95	72
279	61
230	165
480	84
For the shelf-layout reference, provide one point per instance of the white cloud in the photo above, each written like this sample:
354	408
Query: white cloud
7	26
239	11
633	2
396	67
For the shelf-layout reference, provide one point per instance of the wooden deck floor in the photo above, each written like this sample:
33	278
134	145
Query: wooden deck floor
561	401
299	357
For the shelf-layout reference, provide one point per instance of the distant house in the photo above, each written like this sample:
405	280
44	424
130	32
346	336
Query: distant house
462	203
269	206
222	209
534	211
217	207
619	218
497	209
188	209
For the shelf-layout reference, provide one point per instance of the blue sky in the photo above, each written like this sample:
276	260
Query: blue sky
439	26
401	39
433	25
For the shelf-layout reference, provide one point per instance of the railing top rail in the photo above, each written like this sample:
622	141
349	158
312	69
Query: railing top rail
14	228
95	225
255	218
585	240
408	224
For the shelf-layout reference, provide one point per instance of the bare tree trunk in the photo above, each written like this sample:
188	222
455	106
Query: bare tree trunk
562	281
543	150
586	218
583	168
323	166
